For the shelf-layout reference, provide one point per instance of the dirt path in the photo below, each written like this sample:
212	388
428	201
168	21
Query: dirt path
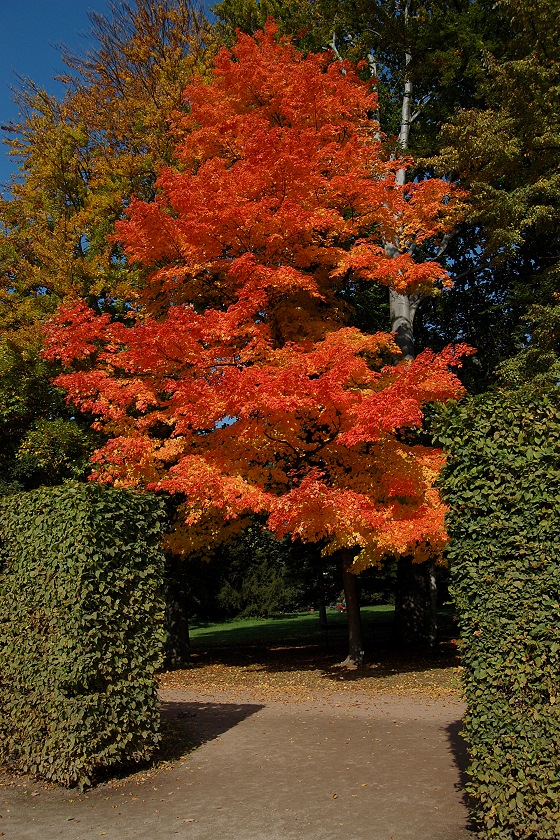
352	767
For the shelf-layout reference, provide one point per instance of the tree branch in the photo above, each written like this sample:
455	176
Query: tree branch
421	104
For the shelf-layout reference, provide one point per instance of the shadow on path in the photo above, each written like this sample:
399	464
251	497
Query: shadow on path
461	759
323	771
187	725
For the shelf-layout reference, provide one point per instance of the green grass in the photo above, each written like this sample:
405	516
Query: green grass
296	627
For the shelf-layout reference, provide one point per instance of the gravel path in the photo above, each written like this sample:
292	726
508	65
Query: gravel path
358	767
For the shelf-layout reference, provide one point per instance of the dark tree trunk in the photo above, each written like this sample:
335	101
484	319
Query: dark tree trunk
432	614
415	626
322	601
355	658
177	645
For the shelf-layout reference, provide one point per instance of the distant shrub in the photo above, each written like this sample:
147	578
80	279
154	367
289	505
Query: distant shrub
502	482
81	630
260	576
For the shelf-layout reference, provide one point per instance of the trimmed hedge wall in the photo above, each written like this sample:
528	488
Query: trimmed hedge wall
81	630
502	482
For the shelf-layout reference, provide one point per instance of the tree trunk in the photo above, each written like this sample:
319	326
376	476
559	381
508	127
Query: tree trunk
177	644
402	310
415	626
403	307
323	624
432	613
355	658
416	595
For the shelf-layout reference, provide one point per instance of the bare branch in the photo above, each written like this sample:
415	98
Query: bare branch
444	244
332	45
421	104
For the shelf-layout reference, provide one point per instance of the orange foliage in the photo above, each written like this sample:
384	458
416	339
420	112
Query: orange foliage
239	385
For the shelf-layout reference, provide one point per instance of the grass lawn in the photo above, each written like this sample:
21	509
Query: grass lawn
290	657
302	628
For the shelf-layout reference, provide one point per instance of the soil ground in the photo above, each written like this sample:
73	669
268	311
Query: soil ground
278	745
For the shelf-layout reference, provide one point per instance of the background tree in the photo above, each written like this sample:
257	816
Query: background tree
457	60
239	387
42	443
80	161
507	152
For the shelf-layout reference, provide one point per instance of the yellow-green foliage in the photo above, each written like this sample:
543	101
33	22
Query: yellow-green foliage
502	483
81	630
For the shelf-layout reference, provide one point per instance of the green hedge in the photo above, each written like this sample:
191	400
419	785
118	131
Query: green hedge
81	630
502	483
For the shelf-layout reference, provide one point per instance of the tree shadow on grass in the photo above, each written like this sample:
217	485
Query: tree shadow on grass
323	652
288	658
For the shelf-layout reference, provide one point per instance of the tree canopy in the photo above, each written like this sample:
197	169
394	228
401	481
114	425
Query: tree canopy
81	158
236	383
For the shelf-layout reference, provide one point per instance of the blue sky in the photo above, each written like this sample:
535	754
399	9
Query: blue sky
29	33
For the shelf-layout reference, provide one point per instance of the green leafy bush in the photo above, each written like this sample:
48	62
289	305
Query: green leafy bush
260	576
81	630
502	482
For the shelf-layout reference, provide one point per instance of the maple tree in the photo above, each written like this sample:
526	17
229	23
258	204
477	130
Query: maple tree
421	58
235	381
446	72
